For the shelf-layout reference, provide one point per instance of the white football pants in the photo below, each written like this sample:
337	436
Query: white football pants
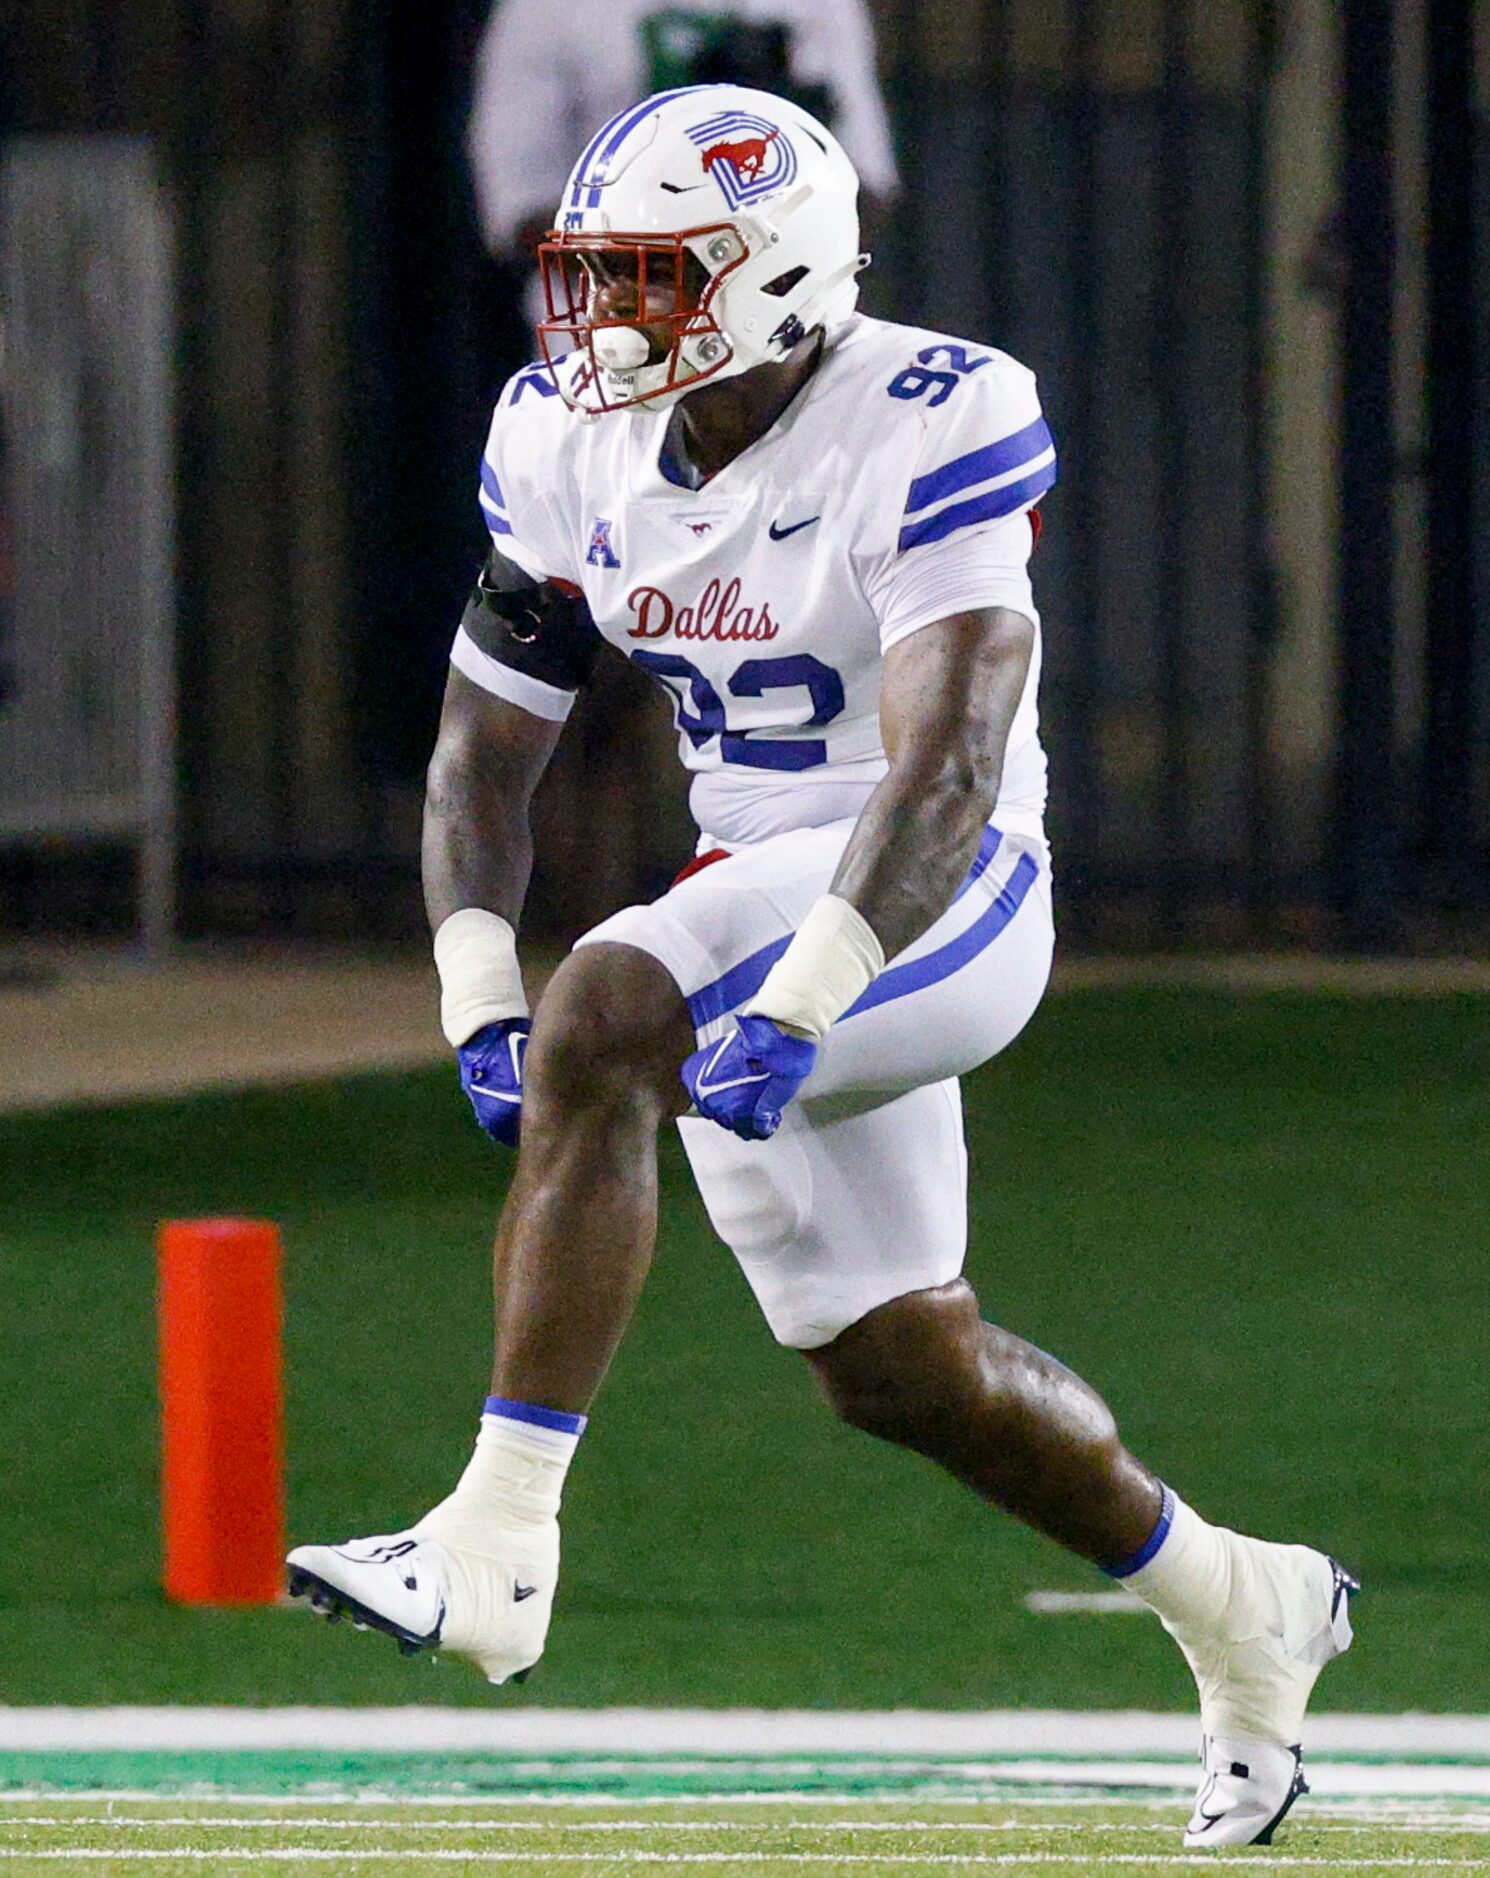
861	1196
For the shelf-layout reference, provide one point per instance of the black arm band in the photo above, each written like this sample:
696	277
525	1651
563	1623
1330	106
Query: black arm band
537	629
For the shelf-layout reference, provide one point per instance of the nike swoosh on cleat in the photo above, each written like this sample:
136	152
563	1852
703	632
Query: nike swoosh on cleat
780	534
379	1555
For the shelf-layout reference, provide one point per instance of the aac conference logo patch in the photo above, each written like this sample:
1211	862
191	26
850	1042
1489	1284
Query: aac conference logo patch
748	157
601	551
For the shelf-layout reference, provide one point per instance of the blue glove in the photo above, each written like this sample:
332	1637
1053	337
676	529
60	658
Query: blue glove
745	1079
491	1073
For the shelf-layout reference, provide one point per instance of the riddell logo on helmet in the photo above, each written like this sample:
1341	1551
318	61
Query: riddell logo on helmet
717	614
748	157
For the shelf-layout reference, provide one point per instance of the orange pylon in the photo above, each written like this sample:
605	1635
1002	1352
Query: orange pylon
222	1474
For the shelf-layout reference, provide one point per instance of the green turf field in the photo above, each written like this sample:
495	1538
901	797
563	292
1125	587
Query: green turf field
782	1841
1259	1224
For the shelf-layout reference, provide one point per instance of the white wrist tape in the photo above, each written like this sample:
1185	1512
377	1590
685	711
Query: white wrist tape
833	958
476	957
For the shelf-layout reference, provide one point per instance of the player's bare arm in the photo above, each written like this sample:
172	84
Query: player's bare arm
947	701
488	759
477	851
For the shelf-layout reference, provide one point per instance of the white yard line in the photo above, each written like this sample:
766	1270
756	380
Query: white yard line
693	1733
327	1795
300	1854
975	1827
1085	1604
1372	1812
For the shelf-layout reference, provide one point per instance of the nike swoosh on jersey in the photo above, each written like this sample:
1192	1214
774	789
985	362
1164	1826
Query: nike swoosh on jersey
780	534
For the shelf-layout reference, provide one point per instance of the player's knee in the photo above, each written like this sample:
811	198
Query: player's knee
906	1367
612	1027
883	1386
925	1372
894	1403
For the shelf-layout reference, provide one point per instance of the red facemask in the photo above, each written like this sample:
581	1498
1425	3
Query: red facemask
630	303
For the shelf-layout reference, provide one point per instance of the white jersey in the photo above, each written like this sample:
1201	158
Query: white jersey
894	491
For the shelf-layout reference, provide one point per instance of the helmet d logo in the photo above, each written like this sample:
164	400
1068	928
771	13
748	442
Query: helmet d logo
746	156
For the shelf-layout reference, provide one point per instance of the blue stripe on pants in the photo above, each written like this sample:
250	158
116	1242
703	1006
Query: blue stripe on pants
742	981
900	980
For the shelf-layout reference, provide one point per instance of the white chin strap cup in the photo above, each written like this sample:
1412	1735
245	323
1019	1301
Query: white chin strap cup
621	348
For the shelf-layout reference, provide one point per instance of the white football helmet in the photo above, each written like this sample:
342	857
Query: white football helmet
702	232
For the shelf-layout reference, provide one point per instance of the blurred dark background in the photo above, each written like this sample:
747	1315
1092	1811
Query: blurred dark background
1242	244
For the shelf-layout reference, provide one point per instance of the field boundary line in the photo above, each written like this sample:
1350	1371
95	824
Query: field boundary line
284	1855
206	1822
696	1734
91	1027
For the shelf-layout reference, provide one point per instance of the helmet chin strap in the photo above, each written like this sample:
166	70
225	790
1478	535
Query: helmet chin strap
664	398
817	311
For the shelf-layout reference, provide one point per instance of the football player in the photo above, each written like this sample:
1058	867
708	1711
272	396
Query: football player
813	530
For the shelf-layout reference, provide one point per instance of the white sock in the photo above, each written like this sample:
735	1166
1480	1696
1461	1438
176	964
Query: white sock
516	1476
1187	1577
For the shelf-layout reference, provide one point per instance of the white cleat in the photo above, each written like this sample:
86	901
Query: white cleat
1247	1788
1289	1615
452	1582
